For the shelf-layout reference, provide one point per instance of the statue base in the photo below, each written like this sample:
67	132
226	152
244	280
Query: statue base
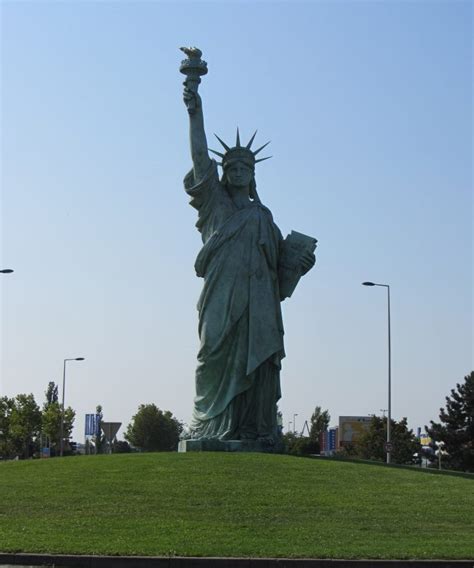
229	446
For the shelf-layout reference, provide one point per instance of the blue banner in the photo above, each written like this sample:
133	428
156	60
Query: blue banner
92	424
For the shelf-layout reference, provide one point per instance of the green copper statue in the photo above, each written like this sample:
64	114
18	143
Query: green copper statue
248	269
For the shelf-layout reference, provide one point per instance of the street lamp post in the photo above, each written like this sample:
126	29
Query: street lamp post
294	423
389	444
61	431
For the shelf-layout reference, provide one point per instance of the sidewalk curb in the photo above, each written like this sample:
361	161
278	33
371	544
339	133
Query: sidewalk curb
63	561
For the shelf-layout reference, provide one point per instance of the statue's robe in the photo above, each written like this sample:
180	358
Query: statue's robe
240	323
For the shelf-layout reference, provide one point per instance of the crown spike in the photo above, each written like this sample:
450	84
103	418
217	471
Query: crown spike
262	159
261	148
216	153
226	148
237	138
249	145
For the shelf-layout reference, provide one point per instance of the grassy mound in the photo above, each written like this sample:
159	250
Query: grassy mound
217	504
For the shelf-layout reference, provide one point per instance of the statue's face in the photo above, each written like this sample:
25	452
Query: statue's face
239	174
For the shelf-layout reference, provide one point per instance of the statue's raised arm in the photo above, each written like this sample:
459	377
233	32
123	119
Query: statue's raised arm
193	67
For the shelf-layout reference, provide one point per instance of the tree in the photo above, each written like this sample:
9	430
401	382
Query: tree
456	427
51	419
99	438
298	445
319	423
152	429
51	424
25	424
370	445
6	442
51	393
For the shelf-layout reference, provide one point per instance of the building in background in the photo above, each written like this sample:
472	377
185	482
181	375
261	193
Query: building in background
328	441
351	427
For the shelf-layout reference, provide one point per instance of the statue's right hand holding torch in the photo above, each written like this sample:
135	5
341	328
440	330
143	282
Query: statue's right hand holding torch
191	98
193	67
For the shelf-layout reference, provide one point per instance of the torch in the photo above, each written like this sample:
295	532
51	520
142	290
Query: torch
193	67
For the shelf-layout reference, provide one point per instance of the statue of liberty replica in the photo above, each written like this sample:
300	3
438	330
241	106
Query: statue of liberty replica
248	269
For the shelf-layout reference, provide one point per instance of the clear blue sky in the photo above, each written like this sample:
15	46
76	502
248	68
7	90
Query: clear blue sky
368	106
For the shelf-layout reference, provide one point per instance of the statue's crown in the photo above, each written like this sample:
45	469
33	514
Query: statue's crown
239	153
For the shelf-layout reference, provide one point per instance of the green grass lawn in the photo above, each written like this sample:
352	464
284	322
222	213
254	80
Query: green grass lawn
219	504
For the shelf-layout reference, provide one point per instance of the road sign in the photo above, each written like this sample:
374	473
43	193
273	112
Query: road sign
110	430
388	446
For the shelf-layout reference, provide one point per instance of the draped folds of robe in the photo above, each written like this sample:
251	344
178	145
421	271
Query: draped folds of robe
240	323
